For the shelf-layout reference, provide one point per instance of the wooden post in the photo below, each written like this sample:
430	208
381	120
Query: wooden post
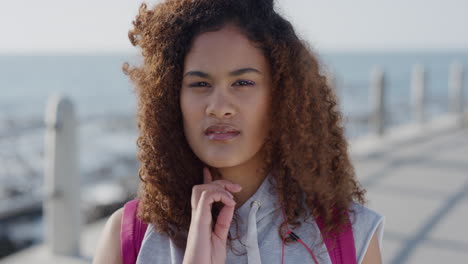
62	218
418	89
456	95
378	101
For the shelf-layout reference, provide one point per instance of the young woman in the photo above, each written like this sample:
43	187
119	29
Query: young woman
243	155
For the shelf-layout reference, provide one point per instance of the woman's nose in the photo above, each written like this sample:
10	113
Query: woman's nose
219	105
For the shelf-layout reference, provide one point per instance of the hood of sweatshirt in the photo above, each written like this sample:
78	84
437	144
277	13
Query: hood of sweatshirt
254	217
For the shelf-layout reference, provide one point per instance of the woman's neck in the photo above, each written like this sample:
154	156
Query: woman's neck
248	175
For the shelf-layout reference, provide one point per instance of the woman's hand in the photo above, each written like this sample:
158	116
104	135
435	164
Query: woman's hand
204	245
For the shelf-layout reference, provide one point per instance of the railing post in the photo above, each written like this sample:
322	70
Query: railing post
419	94
456	95
378	101
62	218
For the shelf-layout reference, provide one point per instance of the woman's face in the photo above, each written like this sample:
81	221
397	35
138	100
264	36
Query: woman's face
226	82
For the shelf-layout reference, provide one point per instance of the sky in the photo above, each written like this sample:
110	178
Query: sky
60	26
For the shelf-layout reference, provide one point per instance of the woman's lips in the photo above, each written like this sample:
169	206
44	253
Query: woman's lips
221	132
221	128
222	136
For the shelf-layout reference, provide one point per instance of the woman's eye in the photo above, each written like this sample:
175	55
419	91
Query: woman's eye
205	84
244	82
198	84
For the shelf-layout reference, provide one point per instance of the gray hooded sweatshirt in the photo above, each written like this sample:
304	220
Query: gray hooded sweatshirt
258	221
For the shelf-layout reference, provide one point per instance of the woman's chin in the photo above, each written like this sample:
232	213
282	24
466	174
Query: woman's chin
219	161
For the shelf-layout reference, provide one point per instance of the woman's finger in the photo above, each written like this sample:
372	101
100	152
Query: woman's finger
230	186
197	190
223	223
207	198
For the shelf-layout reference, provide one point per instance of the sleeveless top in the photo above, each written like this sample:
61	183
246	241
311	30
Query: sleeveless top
258	221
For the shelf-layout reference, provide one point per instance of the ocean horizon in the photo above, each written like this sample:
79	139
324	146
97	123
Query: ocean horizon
96	83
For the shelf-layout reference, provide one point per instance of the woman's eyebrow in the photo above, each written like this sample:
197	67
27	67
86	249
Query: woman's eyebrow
233	73
244	70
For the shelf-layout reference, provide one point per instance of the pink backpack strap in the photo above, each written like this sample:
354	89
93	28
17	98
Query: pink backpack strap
341	247
132	231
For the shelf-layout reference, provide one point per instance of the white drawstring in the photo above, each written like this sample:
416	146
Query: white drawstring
253	252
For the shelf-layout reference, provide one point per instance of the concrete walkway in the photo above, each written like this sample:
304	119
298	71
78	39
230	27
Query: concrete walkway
422	190
40	254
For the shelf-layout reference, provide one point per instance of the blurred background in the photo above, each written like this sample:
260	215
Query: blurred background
398	67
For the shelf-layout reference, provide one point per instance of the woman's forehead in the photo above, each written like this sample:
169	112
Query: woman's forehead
226	48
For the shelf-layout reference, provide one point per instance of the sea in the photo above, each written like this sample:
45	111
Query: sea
105	105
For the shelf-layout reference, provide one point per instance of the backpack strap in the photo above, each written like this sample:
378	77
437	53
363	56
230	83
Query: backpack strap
340	246
132	231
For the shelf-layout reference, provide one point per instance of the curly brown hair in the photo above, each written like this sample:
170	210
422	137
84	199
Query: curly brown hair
306	146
